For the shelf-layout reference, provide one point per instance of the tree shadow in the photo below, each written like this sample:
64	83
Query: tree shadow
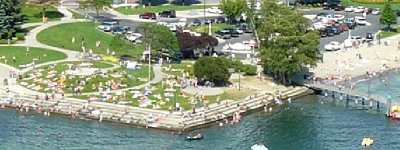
186	2
153	2
49	14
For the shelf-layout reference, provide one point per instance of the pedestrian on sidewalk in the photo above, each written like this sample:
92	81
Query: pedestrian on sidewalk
14	59
27	51
9	41
73	40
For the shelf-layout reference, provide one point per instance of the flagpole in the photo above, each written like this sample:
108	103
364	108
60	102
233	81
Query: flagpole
149	64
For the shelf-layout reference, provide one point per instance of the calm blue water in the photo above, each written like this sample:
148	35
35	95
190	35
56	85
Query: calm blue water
304	124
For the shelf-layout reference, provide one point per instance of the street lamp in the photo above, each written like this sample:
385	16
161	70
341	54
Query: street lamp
239	78
379	34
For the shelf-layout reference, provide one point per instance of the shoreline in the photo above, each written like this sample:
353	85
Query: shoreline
174	122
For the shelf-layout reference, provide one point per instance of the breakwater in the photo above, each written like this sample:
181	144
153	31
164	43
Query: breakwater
158	119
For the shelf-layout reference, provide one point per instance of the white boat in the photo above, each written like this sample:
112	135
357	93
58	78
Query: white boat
259	147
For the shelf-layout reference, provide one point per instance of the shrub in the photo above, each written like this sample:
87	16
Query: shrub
249	69
20	36
214	69
309	5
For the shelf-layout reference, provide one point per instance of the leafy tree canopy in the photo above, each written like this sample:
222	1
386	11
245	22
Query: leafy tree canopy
388	17
289	45
214	69
158	36
233	8
10	17
96	4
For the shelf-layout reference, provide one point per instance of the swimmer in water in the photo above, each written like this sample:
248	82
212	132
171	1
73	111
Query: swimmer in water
322	102
39	132
60	135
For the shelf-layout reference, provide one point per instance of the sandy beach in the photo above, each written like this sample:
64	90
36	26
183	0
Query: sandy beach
345	63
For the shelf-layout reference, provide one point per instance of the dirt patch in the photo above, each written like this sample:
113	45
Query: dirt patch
252	82
235	94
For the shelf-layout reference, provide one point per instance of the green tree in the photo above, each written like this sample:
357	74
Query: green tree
233	8
214	69
44	4
158	36
96	4
10	17
388	17
289	45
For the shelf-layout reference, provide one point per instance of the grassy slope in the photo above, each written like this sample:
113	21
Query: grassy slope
51	36
20	54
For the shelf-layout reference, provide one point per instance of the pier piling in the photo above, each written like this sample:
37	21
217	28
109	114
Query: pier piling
356	100
388	105
326	93
377	104
341	97
362	101
333	94
347	97
370	103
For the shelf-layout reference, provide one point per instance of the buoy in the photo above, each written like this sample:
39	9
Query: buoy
367	141
394	116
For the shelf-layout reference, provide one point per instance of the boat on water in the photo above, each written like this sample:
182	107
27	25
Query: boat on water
197	137
259	147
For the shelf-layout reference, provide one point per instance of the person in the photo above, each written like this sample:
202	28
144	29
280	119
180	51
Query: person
39	132
199	135
27	51
73	39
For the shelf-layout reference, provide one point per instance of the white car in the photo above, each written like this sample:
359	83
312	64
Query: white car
349	9
132	38
357	38
359	9
215	9
361	20
320	25
333	46
171	27
376	11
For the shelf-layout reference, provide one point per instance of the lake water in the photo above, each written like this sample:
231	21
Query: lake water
305	124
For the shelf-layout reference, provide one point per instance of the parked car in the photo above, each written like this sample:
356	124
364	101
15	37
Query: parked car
335	29
171	28
110	21
321	15
361	20
320	25
369	36
245	28
101	26
330	32
168	14
223	34
376	11
323	33
196	22
368	10
351	25
339	8
328	6
239	30
233	32
350	20
357	38
332	46
344	27
220	20
359	9
148	15
208	20
215	9
251	43
109	26
349	9
397	12
118	30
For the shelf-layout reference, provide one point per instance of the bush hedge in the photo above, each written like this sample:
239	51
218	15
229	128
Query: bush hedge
20	36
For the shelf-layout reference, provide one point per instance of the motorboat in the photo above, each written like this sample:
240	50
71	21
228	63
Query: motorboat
367	141
197	137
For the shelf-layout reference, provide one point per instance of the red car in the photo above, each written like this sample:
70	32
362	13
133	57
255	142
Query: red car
148	15
368	10
344	27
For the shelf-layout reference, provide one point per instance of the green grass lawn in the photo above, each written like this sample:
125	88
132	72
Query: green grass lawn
76	14
178	69
350	3
214	27
34	13
61	36
34	53
132	81
157	9
393	32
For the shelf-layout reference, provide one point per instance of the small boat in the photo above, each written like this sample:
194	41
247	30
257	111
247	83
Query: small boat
367	141
197	137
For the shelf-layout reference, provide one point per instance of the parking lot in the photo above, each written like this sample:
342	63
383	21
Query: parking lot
358	31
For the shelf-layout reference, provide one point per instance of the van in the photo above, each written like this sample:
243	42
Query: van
167	14
223	34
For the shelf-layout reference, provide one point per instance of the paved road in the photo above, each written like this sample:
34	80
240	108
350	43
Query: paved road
359	31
